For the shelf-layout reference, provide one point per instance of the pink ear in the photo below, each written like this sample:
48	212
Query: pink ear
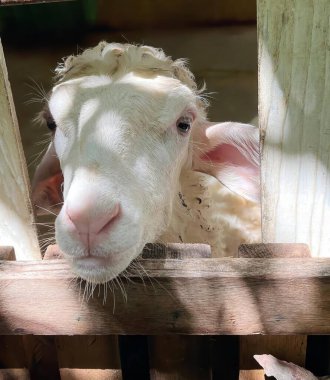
230	152
46	184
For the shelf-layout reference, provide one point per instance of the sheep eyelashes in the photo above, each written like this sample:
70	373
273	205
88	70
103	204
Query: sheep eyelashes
130	133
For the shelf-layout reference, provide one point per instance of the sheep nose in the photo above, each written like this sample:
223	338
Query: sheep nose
89	227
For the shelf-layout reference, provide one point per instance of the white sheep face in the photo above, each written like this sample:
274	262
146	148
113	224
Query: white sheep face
129	121
119	146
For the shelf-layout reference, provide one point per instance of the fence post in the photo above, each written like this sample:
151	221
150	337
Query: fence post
17	226
294	115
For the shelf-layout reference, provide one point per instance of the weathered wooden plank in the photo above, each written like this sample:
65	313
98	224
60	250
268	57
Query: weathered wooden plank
17	226
176	251
294	93
193	296
294	114
276	250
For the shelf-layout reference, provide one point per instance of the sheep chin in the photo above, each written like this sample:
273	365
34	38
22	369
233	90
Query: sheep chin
98	270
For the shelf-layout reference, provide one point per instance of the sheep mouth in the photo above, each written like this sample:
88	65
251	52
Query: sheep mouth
95	262
101	269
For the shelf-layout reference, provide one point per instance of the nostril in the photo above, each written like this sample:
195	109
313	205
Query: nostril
108	220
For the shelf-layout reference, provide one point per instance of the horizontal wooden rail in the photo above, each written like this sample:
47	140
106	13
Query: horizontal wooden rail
190	296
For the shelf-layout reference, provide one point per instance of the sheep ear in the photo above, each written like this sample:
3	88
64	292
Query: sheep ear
46	184
229	152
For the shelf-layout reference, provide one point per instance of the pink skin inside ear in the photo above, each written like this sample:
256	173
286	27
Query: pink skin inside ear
226	153
48	192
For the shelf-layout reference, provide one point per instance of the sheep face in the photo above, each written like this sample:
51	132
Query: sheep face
121	146
128	120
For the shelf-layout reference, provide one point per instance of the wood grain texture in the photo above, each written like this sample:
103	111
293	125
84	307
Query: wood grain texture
294	93
192	296
276	250
294	114
17	226
176	251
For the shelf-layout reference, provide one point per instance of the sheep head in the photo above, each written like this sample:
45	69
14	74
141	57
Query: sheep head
127	121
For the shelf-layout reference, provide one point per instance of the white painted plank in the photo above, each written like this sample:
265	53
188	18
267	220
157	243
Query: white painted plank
17	226
294	95
294	114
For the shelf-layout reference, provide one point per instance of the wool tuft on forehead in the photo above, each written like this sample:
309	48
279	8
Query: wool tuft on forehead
116	60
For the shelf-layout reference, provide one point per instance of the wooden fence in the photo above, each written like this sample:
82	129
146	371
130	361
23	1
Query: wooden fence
185	314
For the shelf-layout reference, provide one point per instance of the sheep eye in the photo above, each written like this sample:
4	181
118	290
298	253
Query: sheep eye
51	125
183	125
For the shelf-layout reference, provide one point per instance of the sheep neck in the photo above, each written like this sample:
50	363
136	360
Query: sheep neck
206	212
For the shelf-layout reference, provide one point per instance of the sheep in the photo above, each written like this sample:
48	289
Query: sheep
141	163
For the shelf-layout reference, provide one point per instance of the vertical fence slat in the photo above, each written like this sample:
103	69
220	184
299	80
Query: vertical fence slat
89	357
294	115
294	82
17	226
